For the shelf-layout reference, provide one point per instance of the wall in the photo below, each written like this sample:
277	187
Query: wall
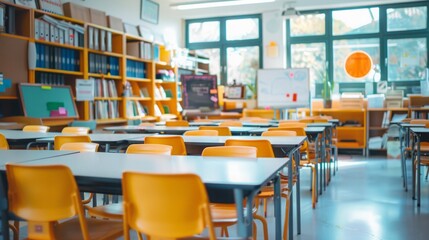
169	24
273	29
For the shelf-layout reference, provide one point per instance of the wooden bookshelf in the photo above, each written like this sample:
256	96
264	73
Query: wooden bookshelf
114	52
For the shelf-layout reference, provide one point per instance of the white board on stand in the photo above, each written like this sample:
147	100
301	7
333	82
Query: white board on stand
283	88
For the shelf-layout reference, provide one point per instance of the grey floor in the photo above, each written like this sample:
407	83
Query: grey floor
364	201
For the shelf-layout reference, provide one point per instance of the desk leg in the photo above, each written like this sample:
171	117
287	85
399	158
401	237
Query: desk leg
298	193
277	207
324	162
290	187
418	171
320	170
242	227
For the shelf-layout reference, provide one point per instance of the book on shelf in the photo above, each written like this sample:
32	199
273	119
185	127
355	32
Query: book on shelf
157	93
157	110
104	109
50	78
50	29
168	93
105	88
135	109
162	92
398	117
102	64
166	109
136	69
57	58
386	119
179	107
99	39
144	93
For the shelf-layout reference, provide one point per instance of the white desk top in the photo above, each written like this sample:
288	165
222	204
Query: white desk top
17	135
19	156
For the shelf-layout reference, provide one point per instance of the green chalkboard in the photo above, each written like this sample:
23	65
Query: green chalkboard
46	101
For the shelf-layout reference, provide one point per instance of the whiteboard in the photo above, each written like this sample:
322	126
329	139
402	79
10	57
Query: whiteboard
283	88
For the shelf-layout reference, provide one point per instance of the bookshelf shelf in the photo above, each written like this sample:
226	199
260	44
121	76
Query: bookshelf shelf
38	12
158	81
136	38
108	98
111	54
137	99
133	79
163	99
14	36
8	98
49	70
104	28
166	82
59	45
97	75
111	120
139	59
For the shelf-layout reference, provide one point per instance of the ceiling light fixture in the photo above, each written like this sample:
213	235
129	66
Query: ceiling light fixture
209	4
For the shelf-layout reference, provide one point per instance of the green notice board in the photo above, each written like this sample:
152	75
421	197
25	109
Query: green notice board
45	101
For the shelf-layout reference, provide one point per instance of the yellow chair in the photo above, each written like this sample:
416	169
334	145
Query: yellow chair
60	140
201	133
45	208
147	124
165	206
280	133
147	148
292	124
230	151
179	147
36	128
222	131
76	130
80	146
261	113
4	145
255	120
177	123
307	120
231	124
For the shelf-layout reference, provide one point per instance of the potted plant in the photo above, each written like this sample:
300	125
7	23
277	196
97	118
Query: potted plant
328	88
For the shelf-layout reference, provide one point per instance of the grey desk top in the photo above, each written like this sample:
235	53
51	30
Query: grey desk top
104	138
17	135
20	156
245	173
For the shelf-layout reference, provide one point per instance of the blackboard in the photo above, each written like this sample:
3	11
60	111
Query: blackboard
199	91
283	88
43	101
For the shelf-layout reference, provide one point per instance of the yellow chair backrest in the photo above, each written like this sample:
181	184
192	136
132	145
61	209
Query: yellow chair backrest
76	130
231	124
177	123
201	133
4	145
165	205
292	124
306	120
300	131
279	133
179	147
262	113
231	151
264	146
60	140
147	124
419	121
148	148
222	131
30	199
36	128
80	146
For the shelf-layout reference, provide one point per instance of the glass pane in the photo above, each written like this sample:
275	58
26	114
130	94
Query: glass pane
204	32
242	63
342	49
400	19
407	59
307	25
312	56
356	21
214	65
241	29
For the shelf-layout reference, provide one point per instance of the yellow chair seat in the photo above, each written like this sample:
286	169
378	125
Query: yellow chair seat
98	229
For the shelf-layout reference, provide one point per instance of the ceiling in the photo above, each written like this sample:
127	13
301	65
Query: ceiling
278	4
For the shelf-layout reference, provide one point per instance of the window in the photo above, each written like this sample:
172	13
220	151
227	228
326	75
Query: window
394	35
234	51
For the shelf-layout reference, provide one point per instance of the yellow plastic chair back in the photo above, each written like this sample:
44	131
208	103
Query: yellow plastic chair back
76	130
300	131
148	148
292	124
80	146
231	124
165	205
60	140
264	146
176	142
4	145
419	121
261	113
147	124
177	123
222	131
32	200
306	120
36	128
201	133
231	151
279	133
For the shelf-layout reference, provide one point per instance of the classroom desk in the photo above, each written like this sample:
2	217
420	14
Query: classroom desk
17	137
106	139
11	126
288	146
242	175
19	156
420	135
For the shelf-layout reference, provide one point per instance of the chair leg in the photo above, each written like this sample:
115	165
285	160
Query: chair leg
314	192
286	224
15	230
264	225
265	207
414	178
254	231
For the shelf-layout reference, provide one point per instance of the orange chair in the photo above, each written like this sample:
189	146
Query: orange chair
179	147
76	130
4	145
292	124
163	206
261	113
201	133
45	209
223	131
80	146
280	133
60	140
225	215
147	124
177	123
36	128
148	148
231	124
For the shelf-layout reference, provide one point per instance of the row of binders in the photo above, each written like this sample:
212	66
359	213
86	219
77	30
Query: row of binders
50	29
50	78
140	49
99	39
105	88
136	69
103	109
135	109
103	64
57	58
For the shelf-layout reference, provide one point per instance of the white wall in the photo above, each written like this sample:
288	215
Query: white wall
273	29
169	24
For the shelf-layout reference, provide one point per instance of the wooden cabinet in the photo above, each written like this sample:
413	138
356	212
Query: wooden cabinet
125	68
